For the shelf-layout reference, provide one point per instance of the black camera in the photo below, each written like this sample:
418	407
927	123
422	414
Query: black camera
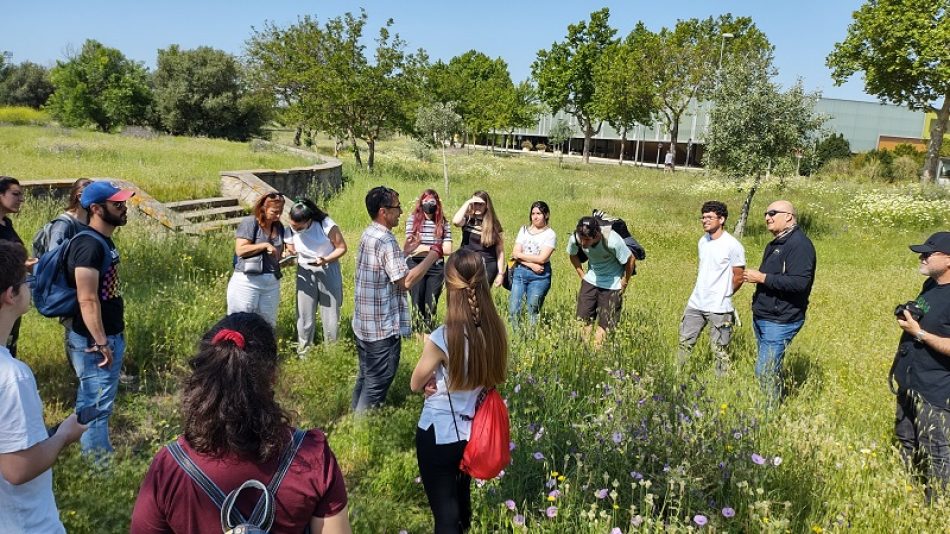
911	307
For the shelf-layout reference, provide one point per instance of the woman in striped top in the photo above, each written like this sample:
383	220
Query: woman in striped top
427	221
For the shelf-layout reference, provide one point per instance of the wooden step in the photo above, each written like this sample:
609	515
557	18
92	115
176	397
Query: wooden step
211	226
201	203
225	212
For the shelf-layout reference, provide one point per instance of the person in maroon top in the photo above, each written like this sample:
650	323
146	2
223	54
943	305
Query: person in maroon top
234	430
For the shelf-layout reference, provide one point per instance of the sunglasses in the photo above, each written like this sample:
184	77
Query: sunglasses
773	213
927	255
272	196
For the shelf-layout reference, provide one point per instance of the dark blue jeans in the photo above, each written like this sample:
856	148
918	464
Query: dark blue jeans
773	339
378	362
530	286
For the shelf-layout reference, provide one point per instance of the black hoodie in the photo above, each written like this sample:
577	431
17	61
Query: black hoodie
789	265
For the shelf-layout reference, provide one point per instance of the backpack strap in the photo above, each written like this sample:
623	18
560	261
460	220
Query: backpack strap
197	475
286	458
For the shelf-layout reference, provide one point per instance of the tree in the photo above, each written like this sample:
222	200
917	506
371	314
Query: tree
203	92
565	72
686	59
436	123
754	123
558	135
99	86
832	147
25	84
624	92
518	108
901	47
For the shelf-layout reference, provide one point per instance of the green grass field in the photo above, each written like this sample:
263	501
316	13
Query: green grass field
617	438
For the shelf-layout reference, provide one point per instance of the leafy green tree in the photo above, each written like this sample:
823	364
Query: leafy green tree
832	147
518	109
101	87
565	72
436	123
203	92
754	124
625	94
25	84
686	59
559	133
901	46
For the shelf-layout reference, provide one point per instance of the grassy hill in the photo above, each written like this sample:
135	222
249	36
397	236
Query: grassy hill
625	437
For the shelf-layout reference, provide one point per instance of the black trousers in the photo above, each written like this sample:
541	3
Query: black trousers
425	295
448	489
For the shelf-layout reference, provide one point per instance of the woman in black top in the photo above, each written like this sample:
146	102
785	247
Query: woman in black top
482	233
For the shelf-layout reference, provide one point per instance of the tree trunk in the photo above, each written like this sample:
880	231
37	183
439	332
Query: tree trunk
297	133
492	142
937	128
588	135
371	145
623	145
445	170
356	149
746	206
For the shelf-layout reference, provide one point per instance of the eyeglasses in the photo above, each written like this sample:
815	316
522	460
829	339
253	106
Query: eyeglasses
396	207
773	213
28	281
118	205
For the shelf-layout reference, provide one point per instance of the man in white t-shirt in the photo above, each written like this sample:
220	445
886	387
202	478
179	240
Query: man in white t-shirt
721	264
27	451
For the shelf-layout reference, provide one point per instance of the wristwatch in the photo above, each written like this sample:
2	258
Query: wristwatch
920	335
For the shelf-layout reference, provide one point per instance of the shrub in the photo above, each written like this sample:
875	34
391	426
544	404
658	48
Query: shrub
540	147
527	145
835	169
420	151
23	116
905	169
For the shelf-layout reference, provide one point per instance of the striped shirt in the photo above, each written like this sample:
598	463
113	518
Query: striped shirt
427	232
382	310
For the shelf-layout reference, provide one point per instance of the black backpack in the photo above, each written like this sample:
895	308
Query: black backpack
232	521
618	226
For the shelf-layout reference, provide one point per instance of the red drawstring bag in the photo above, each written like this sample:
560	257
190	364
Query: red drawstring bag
487	452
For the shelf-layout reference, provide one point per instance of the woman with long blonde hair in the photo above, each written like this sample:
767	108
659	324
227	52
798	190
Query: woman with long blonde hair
482	233
460	359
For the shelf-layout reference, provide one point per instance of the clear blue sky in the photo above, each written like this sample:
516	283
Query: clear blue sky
43	31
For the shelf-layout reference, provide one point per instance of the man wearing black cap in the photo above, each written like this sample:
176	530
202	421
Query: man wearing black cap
922	367
95	337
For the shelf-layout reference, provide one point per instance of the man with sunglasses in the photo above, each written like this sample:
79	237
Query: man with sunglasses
783	285
95	339
922	367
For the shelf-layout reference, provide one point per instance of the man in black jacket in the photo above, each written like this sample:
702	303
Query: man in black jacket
922	367
783	284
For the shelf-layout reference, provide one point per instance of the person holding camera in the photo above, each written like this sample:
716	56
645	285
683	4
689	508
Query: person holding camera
922	367
783	284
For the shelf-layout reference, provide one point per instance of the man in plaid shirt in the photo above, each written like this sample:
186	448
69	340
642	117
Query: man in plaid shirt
381	316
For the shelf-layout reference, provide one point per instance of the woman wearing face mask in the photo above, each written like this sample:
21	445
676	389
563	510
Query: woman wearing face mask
531	279
427	222
260	242
481	232
319	245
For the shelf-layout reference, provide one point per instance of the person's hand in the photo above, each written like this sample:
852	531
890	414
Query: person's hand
430	387
908	324
624	282
71	429
499	279
412	241
437	249
476	200
270	249
106	351
319	262
752	276
30	262
537	268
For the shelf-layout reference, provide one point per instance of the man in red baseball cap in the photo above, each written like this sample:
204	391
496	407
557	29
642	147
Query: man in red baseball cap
922	367
95	338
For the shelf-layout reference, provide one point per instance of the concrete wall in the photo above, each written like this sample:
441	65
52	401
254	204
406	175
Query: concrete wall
316	181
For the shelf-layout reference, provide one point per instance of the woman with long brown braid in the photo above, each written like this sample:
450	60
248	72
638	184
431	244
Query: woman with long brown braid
461	358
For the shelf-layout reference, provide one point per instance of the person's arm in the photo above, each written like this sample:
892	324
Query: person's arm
87	286
459	218
446	239
245	249
540	258
737	277
432	357
798	272
500	251
416	273
628	269
23	466
334	524
911	327
339	248
576	262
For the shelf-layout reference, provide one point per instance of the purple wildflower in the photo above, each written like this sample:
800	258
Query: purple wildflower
636	520
758	460
700	519
573	394
601	493
511	445
518	520
551	511
636	475
555	494
550	483
510	504
538	456
617	437
728	512
616	530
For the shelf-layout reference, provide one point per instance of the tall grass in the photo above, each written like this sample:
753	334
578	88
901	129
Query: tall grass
613	439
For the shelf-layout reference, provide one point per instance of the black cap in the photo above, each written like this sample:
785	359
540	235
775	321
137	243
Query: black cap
939	242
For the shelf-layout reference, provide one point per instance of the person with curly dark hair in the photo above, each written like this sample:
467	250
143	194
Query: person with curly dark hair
234	431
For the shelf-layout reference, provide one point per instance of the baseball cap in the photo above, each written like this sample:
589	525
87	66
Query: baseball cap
939	242
102	191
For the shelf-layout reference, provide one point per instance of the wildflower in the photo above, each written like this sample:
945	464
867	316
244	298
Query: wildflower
517	388
636	520
777	461
518	520
636	475
560	478
757	459
617	437
737	434
539	433
616	530
511	445
554	474
728	512
551	511
554	495
816	529
573	394
550	483
700	519
538	456
510	504
601	493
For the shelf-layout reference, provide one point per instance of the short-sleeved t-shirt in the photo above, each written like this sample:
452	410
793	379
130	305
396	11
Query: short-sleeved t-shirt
87	251
29	507
472	239
277	238
427	232
170	501
605	264
717	257
314	242
382	309
534	244
7	233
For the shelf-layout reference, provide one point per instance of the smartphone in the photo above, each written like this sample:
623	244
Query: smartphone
84	416
287	259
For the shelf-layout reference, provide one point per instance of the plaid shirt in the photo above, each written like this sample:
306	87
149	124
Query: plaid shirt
382	309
